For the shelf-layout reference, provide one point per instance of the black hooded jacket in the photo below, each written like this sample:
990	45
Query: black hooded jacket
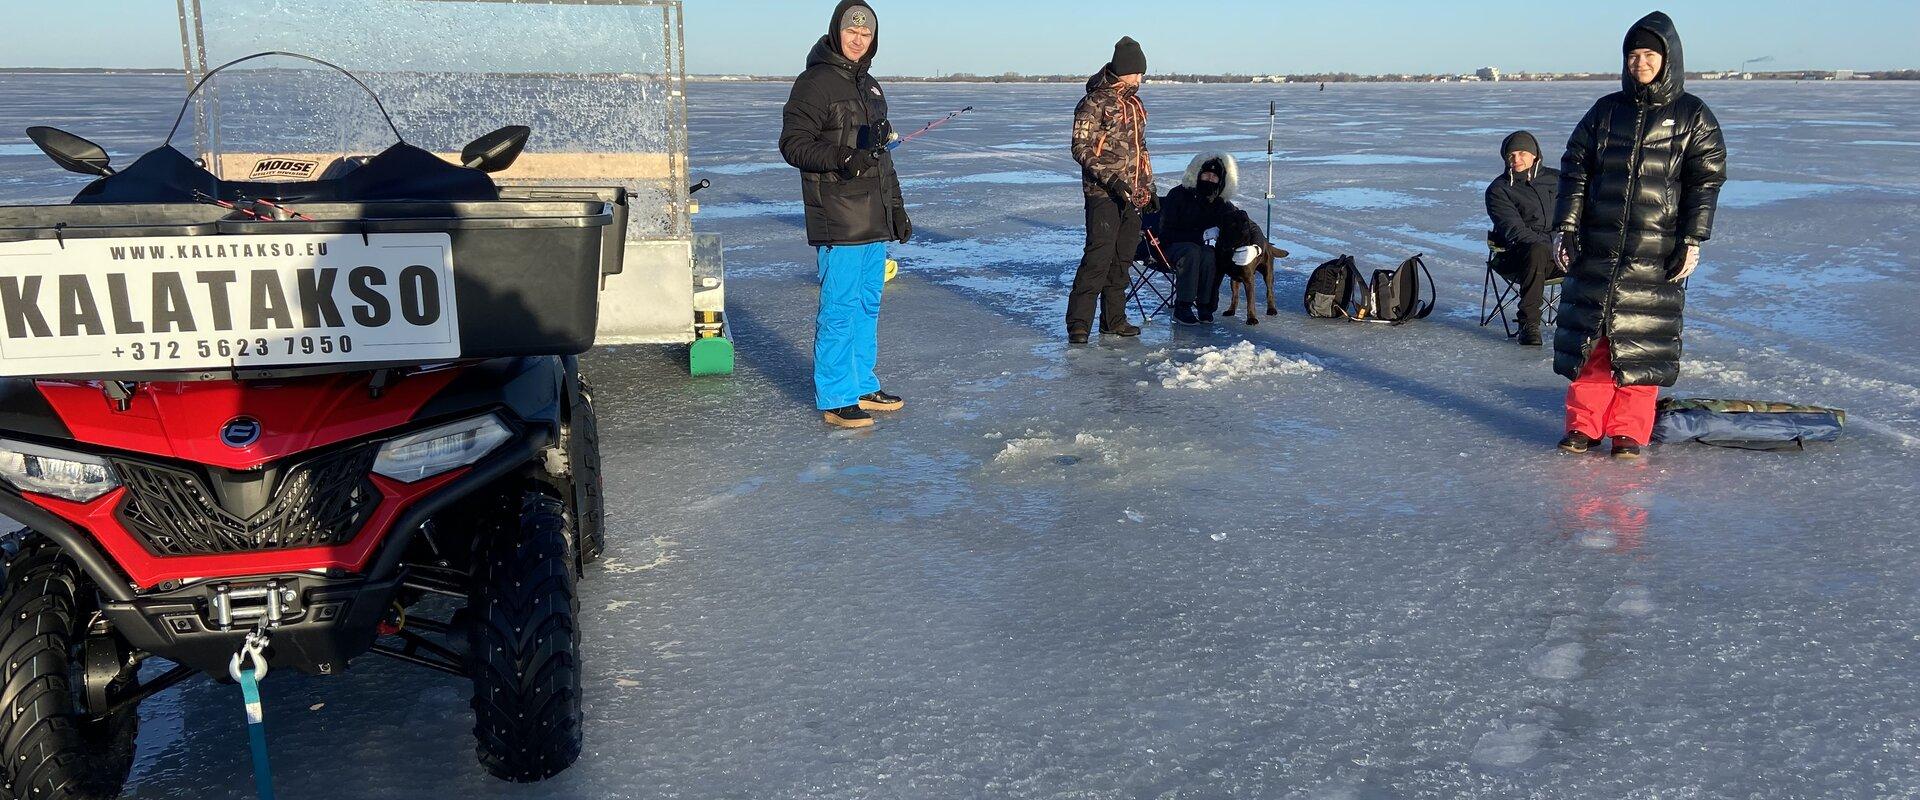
837	107
1521	204
1641	178
1189	210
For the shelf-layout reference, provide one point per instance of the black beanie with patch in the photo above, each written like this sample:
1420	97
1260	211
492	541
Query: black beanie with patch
1641	38
1128	58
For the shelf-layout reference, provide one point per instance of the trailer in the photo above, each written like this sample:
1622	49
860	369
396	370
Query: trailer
601	82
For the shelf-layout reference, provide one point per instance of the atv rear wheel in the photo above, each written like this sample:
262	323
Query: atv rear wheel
524	642
53	746
583	463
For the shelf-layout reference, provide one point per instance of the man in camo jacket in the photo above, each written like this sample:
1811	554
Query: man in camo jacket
1110	142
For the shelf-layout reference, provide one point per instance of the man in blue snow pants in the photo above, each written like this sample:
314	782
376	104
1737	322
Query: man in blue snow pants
835	131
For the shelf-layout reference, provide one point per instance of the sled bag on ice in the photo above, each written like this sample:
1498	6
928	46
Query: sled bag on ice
1336	290
1746	424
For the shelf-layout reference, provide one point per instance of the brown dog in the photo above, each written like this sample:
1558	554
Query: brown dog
1262	266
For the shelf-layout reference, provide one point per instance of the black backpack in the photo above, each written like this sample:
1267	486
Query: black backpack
1396	292
1336	290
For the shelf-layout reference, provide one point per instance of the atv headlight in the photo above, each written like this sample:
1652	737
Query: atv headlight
51	471
430	452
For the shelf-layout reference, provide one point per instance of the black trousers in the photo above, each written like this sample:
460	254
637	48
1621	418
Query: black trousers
1113	232
1193	273
1529	267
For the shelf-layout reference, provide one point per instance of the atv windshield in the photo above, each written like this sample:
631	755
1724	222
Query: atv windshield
320	135
600	82
282	118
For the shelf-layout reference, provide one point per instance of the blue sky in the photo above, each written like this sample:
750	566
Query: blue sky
1076	36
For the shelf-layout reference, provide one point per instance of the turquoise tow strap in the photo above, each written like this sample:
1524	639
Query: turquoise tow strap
248	675
257	734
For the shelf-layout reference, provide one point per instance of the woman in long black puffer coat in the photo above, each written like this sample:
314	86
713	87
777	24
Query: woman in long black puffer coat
1638	187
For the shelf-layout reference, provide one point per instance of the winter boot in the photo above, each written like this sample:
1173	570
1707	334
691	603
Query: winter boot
849	417
881	401
1076	337
1125	329
1576	442
1530	336
1183	314
1625	448
1206	316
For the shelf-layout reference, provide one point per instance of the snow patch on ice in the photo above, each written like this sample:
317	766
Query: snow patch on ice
1749	194
1885	143
19	150
1368	160
1019	178
1440	240
1031	177
1354	198
1213	367
1217	137
1509	745
1632	601
1558	662
734	169
1129	456
1713	371
1046	445
751	210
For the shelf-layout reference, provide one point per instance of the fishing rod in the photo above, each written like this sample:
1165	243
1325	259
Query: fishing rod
928	129
1273	113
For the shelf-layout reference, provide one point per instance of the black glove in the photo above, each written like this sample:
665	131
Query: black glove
1566	249
855	161
1122	193
902	226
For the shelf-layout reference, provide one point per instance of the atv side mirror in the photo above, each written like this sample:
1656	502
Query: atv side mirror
71	152
496	151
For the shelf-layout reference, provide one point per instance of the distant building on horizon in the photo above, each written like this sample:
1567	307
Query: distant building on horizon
1487	73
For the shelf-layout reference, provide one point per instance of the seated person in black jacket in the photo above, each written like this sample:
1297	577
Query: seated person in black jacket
1198	204
1521	202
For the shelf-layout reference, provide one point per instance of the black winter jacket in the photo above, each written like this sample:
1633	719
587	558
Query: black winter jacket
1185	217
1641	177
1522	206
837	107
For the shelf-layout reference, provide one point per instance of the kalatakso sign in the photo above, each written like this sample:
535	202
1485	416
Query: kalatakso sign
113	305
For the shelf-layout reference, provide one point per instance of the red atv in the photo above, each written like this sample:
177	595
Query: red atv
254	425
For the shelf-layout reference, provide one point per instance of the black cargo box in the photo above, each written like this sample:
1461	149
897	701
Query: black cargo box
526	272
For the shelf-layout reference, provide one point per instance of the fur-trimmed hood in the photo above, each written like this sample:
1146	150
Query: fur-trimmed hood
1228	187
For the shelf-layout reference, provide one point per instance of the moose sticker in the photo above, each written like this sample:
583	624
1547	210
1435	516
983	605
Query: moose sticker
277	168
89	306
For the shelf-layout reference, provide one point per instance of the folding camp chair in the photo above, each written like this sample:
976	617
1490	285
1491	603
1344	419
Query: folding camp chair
1499	295
1152	274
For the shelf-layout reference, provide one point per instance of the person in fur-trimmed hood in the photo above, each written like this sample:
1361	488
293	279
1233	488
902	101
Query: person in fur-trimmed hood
1203	201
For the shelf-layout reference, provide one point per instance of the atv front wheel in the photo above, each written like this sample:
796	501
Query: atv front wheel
51	744
524	643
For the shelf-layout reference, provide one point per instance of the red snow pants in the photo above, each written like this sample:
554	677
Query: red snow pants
1599	408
